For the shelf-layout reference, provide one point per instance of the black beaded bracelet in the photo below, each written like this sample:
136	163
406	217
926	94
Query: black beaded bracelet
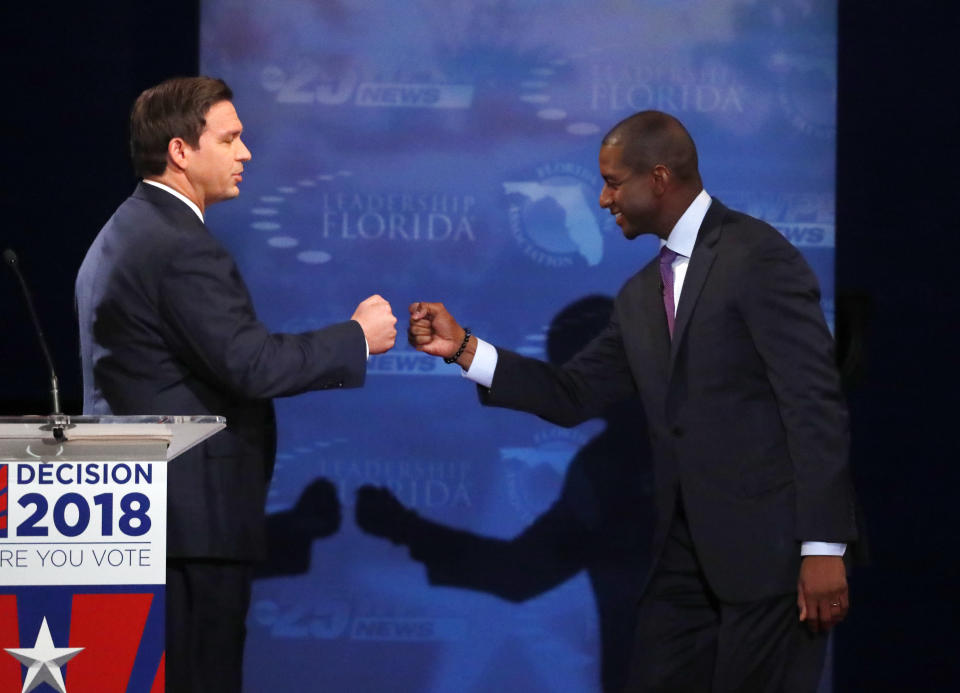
466	340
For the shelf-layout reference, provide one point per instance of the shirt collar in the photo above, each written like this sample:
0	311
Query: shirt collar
186	200
684	234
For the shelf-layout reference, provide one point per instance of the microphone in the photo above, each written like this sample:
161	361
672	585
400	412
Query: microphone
10	258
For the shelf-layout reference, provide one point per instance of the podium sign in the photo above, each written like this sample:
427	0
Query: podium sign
83	548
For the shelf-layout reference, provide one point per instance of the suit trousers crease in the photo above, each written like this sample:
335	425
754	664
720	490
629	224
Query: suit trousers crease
689	641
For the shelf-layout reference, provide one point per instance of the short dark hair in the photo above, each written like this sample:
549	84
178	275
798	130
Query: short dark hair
649	138
174	108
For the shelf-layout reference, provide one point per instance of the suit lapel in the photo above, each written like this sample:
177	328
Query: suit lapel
697	271
654	315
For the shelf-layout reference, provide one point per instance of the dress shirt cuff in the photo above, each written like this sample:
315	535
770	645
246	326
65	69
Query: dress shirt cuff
822	548
367	345
484	364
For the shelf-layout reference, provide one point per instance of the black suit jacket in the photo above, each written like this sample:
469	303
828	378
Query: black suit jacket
167	327
747	422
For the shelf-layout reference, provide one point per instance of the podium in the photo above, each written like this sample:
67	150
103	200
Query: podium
83	549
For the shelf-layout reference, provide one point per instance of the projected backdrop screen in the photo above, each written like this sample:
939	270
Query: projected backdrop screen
447	151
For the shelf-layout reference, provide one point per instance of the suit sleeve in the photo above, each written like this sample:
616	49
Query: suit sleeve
210	324
565	395
781	306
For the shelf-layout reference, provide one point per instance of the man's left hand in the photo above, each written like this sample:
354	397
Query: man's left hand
822	594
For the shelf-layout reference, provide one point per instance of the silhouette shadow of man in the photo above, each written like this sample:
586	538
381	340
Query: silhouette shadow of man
602	521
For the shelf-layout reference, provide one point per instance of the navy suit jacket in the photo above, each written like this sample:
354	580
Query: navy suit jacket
746	418
167	327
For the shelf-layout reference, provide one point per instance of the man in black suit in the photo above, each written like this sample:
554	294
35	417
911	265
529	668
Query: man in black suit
167	327
723	338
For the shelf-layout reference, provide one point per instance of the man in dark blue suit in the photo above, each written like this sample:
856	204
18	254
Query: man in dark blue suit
723	338
167	327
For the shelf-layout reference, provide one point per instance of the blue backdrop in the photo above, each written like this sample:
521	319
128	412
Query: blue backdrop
447	151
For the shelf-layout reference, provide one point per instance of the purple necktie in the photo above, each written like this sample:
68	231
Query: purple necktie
667	257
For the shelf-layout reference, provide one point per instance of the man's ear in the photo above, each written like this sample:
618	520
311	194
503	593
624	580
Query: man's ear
177	153
661	178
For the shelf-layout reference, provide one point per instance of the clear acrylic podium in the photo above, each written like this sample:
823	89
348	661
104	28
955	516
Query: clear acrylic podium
83	547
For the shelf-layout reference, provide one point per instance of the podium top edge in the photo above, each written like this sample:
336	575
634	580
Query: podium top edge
141	419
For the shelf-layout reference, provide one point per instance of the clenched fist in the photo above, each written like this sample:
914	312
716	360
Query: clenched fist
434	331
378	323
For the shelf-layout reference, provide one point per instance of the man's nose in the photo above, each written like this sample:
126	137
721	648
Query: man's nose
605	197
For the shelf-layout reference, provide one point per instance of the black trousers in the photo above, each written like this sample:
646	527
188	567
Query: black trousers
207	602
688	641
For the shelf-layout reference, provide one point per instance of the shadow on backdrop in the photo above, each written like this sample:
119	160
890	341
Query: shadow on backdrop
290	534
602	521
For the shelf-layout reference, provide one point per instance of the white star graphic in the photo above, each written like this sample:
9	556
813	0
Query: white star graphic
43	661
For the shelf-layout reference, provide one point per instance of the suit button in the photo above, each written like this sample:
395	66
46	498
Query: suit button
677	432
339	384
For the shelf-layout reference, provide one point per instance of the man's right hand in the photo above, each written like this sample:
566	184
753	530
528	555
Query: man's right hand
378	323
434	331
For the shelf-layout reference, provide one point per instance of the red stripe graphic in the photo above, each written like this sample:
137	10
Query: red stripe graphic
3	500
158	682
109	626
9	637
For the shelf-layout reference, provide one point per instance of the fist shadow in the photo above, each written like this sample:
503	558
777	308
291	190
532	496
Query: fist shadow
290	533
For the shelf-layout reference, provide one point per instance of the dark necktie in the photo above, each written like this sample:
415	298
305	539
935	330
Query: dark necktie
667	257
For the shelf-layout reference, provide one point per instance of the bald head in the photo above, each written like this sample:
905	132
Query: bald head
649	138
